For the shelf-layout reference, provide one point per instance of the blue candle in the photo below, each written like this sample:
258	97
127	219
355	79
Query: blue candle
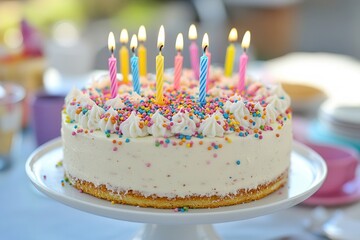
203	71
135	65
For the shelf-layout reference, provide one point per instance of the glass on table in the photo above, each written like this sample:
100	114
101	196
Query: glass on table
11	108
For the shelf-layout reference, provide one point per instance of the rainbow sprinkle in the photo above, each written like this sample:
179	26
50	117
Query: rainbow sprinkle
181	209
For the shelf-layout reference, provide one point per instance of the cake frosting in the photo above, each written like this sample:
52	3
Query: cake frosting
234	149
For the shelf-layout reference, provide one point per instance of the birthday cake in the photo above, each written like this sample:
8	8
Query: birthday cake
233	149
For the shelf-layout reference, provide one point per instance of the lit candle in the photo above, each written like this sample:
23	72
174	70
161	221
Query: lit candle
160	67
124	56
135	65
178	61
243	61
194	51
208	54
203	70
112	66
142	51
230	53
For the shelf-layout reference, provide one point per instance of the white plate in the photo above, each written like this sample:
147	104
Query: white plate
346	114
307	172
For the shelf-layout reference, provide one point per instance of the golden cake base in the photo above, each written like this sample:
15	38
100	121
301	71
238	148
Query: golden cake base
136	199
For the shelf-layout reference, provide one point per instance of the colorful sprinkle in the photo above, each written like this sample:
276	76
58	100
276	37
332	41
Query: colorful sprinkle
59	164
181	209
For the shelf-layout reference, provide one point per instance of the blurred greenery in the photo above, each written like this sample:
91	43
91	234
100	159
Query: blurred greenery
43	14
136	14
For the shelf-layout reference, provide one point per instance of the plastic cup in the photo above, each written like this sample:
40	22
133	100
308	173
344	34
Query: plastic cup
11	111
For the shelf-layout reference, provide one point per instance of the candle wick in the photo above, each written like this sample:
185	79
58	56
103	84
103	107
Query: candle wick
133	49
205	48
244	50
161	47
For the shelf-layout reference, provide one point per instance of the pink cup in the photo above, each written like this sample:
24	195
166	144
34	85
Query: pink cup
341	163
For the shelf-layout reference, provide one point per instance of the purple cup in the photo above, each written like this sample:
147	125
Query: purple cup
46	116
341	162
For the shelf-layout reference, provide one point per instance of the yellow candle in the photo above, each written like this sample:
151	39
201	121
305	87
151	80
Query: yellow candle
142	51
160	67
124	56
230	53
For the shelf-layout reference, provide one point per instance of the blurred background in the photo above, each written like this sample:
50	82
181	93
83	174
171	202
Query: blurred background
52	45
278	26
47	46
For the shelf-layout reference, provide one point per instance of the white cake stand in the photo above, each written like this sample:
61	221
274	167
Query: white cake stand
307	172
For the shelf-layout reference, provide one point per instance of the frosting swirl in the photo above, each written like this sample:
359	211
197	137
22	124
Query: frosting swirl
73	95
279	99
133	127
108	122
183	124
258	119
94	116
271	113
115	103
241	113
213	125
160	126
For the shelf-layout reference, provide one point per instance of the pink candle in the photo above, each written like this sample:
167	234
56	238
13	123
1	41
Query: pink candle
194	51
194	58
242	71
243	62
208	54
178	61
178	70
112	66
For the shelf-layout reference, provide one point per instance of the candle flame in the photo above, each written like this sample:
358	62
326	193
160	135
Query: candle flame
205	41
124	36
161	38
233	35
246	40
142	34
133	42
179	42
111	42
192	32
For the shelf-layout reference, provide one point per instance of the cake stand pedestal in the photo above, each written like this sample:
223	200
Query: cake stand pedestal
306	174
176	232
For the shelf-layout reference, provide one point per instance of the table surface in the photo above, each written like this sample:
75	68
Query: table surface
28	214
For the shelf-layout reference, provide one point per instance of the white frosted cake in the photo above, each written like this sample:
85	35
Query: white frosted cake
130	150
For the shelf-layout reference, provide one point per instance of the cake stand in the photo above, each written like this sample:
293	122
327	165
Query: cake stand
306	174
